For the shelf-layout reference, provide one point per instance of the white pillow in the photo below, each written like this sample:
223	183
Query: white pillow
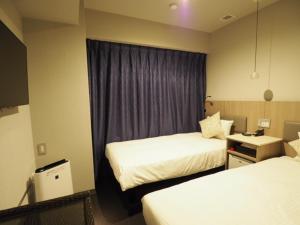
226	126
296	146
211	126
297	158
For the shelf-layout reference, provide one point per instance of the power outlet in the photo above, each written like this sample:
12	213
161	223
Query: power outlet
264	123
42	149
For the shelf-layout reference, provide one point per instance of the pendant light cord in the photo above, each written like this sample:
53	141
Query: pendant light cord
270	55
256	44
256	35
270	61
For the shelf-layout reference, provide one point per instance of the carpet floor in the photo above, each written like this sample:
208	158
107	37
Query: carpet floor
108	209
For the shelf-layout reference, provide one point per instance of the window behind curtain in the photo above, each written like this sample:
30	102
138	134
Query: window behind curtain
139	92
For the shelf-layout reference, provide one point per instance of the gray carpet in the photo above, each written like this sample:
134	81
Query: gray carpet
110	211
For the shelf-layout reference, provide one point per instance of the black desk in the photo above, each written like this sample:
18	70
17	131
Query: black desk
69	210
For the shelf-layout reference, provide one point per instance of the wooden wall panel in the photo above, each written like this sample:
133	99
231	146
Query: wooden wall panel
278	112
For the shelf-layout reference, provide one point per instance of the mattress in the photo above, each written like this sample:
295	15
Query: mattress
265	193
153	159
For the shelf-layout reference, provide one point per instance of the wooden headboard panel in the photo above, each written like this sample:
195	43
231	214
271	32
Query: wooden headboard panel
278	112
240	123
290	133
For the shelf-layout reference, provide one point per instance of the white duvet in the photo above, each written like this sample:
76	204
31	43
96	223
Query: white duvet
153	159
265	193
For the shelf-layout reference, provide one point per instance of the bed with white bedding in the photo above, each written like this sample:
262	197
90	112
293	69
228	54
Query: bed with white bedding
149	160
265	193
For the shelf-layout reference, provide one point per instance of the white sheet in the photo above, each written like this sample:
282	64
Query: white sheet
266	193
153	159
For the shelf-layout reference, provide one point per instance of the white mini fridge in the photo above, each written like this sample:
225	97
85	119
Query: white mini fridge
53	181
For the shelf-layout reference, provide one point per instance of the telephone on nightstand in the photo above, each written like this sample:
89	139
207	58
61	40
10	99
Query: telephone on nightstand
259	132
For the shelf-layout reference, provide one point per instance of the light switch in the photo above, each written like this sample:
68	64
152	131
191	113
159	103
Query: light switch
42	149
264	123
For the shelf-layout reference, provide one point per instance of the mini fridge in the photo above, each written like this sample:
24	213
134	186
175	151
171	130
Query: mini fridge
53	181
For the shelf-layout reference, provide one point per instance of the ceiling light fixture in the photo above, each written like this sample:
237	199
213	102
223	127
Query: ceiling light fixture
173	6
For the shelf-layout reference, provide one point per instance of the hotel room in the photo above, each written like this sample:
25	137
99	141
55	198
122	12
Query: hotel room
149	112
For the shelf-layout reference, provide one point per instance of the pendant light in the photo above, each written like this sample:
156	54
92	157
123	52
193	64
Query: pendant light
255	74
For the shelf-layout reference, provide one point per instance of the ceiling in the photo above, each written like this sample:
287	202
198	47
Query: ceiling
63	11
201	15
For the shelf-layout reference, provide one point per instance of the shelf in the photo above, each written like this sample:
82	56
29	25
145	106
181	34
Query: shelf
242	155
245	150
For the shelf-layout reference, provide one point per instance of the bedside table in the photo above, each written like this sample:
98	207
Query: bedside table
243	150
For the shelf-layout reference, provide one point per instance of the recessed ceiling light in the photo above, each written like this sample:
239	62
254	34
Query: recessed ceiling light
173	6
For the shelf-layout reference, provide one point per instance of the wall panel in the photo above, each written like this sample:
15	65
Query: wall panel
278	112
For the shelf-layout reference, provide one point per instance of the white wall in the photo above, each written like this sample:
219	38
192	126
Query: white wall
16	148
58	88
231	58
116	28
58	80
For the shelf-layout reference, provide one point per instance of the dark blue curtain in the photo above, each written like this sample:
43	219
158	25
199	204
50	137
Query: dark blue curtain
139	92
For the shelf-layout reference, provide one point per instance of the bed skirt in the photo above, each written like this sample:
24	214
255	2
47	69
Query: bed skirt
131	198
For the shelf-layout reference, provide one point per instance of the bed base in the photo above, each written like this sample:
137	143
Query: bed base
131	198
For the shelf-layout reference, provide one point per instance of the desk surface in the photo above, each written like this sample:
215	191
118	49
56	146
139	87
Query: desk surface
71	210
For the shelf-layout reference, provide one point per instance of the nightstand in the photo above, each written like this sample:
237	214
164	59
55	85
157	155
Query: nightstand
243	150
